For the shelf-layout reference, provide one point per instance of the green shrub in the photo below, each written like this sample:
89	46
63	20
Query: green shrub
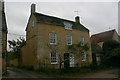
65	70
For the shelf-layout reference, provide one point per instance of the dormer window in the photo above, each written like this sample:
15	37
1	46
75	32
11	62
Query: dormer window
68	25
33	23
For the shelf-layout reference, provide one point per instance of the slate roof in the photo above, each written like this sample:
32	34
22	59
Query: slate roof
101	37
57	21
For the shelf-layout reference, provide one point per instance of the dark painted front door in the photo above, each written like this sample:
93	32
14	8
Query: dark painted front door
66	60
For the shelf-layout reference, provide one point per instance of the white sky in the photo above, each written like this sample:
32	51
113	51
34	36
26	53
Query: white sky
96	16
61	0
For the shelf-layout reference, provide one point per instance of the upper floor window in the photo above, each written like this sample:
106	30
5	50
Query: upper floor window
83	56
69	39
33	23
52	38
68	25
82	41
53	58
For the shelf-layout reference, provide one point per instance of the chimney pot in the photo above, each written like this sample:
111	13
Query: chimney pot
33	8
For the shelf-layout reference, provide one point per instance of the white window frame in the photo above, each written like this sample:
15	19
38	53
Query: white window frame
56	61
52	38
68	40
68	25
33	23
83	54
82	41
71	58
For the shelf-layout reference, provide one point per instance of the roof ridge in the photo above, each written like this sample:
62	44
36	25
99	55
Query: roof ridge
54	17
61	19
103	32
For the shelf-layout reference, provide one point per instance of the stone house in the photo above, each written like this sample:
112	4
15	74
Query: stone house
4	39
46	34
101	37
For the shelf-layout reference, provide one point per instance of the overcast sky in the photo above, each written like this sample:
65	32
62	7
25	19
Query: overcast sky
96	16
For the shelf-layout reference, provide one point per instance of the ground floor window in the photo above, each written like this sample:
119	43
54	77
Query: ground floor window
53	57
71	59
83	56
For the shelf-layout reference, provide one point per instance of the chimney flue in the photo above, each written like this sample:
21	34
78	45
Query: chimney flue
33	8
77	19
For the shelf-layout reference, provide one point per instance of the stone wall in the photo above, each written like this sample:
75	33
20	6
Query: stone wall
13	62
43	39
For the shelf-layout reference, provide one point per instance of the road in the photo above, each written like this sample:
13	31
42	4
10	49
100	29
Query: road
20	73
113	73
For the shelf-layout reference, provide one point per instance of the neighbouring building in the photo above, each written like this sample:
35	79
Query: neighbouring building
4	40
103	36
46	34
99	40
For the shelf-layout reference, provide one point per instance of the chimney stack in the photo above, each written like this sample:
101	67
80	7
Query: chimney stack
1	5
33	7
77	19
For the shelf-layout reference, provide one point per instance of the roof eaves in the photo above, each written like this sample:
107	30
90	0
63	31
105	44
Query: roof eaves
28	22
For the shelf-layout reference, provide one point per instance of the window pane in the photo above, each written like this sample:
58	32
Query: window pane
69	39
52	38
83	56
82	41
68	25
53	57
